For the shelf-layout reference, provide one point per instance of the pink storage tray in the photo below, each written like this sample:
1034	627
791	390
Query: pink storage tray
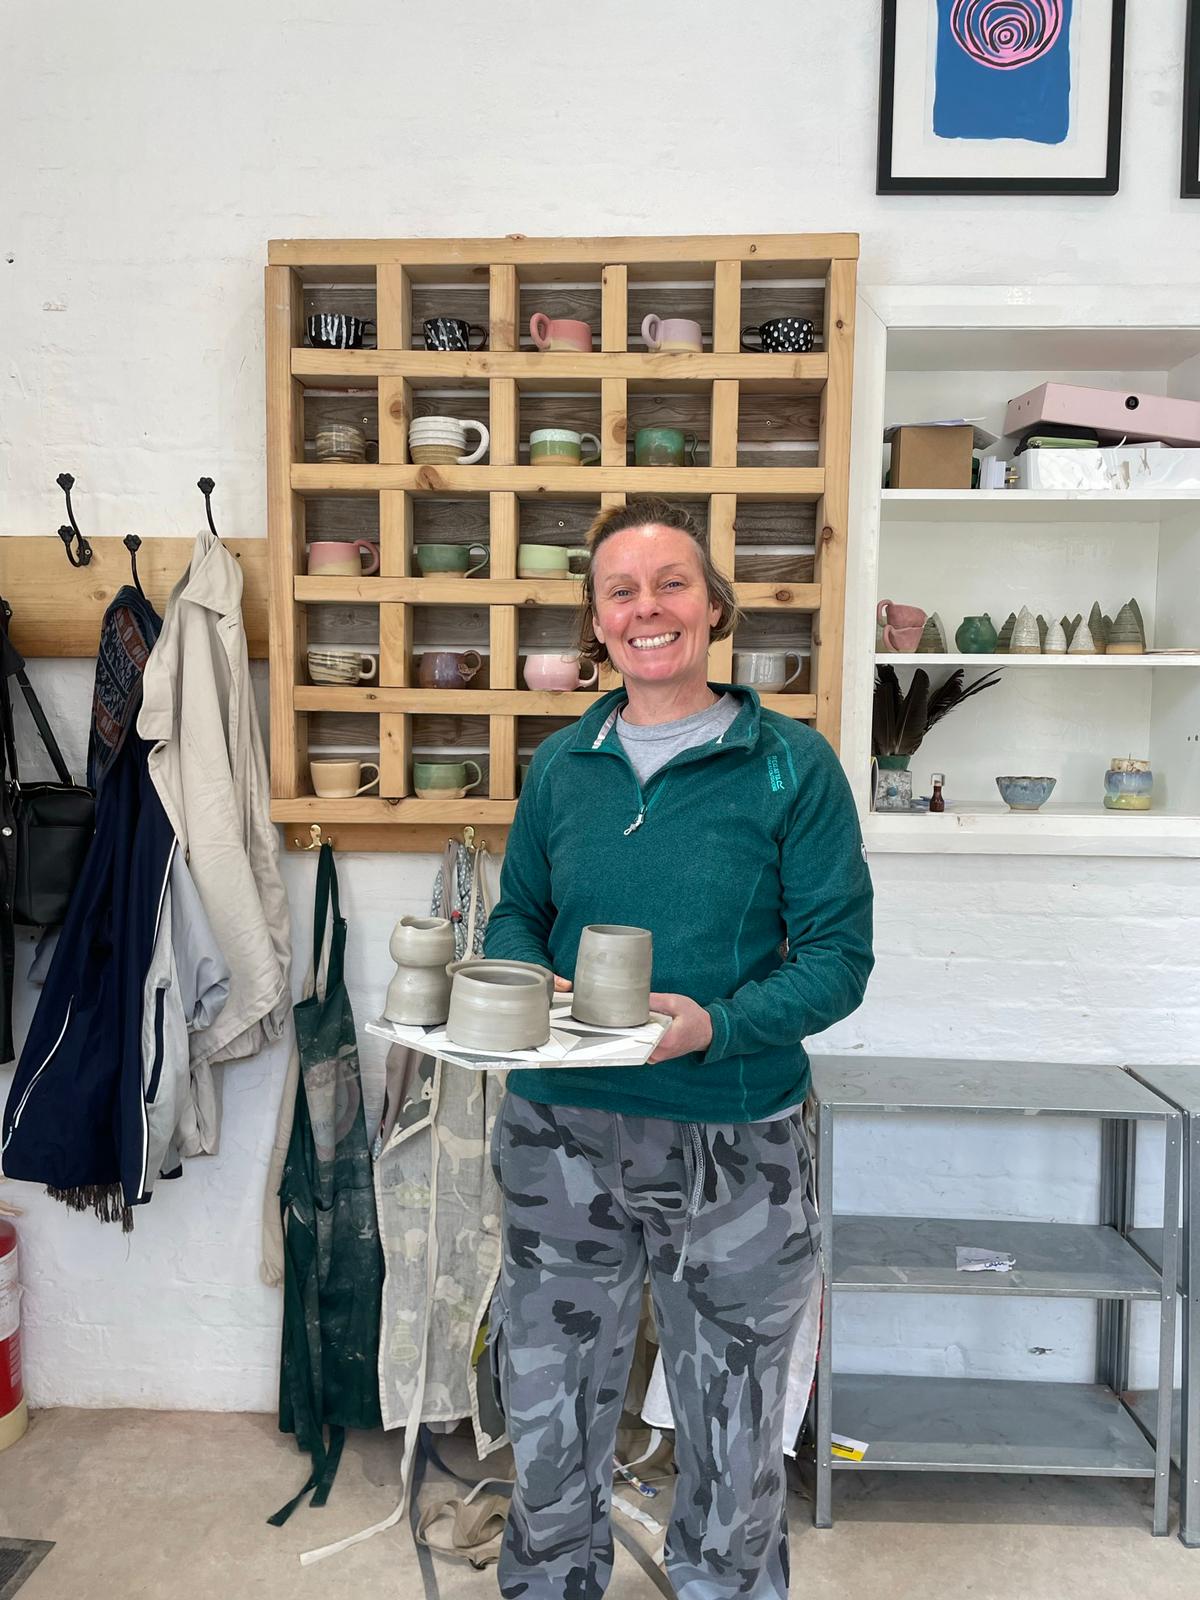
1112	413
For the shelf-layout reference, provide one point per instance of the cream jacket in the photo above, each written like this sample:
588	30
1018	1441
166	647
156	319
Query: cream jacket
209	768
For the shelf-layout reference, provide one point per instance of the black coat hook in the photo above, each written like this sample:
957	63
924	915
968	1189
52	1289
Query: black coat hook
133	544
82	555
206	487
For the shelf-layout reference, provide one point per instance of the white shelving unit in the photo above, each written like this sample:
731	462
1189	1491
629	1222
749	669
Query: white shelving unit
924	353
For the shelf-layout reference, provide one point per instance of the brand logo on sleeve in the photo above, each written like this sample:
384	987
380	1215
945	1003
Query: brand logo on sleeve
774	774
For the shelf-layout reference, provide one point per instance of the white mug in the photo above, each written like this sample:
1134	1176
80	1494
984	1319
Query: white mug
766	670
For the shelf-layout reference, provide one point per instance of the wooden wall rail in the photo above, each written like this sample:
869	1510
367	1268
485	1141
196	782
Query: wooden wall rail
58	608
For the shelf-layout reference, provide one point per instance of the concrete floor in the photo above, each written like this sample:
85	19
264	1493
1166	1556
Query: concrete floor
172	1505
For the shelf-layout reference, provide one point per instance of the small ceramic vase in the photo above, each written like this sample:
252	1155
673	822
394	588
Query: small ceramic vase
1126	636
419	994
1026	639
1004	638
1056	640
976	636
612	976
1128	785
893	785
1082	643
498	1005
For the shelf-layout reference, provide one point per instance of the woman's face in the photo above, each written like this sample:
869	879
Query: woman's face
652	610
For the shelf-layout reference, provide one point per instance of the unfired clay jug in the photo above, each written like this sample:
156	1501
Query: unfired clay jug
419	994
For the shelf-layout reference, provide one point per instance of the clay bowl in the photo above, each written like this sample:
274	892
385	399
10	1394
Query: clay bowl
612	976
499	1005
1025	794
422	942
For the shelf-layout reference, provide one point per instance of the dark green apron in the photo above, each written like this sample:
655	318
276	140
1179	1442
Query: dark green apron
333	1264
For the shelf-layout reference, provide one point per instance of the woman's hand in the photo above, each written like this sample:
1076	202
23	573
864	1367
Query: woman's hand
561	984
691	1027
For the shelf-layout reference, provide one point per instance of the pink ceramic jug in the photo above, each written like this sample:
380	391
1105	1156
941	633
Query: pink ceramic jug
557	671
902	625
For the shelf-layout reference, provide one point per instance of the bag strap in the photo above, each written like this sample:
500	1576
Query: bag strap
35	706
327	889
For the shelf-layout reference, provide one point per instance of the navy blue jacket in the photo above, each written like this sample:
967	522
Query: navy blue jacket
75	1118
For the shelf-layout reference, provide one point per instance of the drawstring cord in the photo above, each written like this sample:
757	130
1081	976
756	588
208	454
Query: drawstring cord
695	1168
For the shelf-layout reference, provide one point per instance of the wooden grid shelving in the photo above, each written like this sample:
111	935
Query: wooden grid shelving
771	480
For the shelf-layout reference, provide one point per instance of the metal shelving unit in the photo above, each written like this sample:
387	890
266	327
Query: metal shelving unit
1180	1086
989	1425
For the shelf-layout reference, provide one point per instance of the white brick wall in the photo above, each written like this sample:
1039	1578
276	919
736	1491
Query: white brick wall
152	151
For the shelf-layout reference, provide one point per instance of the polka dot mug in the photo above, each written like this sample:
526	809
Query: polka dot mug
780	335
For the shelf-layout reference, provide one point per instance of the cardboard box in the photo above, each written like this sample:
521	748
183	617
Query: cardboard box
932	458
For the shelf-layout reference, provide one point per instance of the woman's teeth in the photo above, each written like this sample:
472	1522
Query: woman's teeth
656	643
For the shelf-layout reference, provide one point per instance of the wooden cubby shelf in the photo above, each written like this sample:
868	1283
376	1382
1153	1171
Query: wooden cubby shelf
770	483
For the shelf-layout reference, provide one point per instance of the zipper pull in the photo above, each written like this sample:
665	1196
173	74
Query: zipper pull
636	823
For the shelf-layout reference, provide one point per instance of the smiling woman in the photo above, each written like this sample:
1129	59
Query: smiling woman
681	806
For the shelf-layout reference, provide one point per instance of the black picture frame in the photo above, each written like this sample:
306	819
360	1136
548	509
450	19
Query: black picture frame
1189	180
889	182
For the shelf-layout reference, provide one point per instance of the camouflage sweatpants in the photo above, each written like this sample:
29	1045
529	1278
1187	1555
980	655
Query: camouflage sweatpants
591	1199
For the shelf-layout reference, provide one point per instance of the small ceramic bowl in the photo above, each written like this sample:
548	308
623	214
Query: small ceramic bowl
1025	794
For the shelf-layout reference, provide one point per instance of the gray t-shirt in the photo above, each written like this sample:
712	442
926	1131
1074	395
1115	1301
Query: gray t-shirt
650	748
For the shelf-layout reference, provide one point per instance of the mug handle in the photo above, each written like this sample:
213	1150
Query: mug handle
651	329
473	327
364	546
487	556
480	450
799	666
589	683
539	320
880	609
689	444
478	778
366	668
466	672
362	789
589	457
889	639
753	330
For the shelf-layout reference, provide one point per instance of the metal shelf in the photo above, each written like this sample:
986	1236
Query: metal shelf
999	1425
989	1425
915	1255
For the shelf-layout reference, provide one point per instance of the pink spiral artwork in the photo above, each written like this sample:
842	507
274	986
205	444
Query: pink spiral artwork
1005	34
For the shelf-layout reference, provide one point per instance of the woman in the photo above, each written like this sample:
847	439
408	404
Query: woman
685	808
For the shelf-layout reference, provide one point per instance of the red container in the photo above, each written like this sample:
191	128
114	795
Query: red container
14	1418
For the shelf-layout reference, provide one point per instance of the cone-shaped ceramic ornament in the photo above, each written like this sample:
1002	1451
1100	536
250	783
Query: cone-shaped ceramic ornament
1126	638
1006	632
931	642
1069	624
1082	643
1043	626
1026	640
1056	640
1098	626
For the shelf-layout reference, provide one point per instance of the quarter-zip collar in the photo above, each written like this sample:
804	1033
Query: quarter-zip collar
596	729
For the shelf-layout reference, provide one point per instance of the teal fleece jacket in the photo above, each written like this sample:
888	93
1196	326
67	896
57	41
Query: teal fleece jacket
731	848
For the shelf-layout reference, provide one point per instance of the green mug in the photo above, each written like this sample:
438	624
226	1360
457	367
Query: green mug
444	780
455	558
542	561
663	447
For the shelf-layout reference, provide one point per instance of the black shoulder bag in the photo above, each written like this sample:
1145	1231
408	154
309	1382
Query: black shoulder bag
52	823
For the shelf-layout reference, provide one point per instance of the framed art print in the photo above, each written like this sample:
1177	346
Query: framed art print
1189	187
1002	97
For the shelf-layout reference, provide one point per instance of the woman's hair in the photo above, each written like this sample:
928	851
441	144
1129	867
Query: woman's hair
640	513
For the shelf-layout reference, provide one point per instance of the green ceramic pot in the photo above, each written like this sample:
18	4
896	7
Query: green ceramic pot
893	763
976	636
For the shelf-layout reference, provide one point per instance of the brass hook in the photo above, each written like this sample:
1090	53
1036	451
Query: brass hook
315	840
469	838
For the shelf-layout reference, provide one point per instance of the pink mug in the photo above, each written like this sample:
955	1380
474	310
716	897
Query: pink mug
557	671
559	333
672	333
342	558
902	625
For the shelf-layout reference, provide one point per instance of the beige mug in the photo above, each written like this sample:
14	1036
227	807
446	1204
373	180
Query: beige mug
766	670
341	780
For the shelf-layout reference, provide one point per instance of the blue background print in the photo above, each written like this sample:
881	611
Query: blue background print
973	101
